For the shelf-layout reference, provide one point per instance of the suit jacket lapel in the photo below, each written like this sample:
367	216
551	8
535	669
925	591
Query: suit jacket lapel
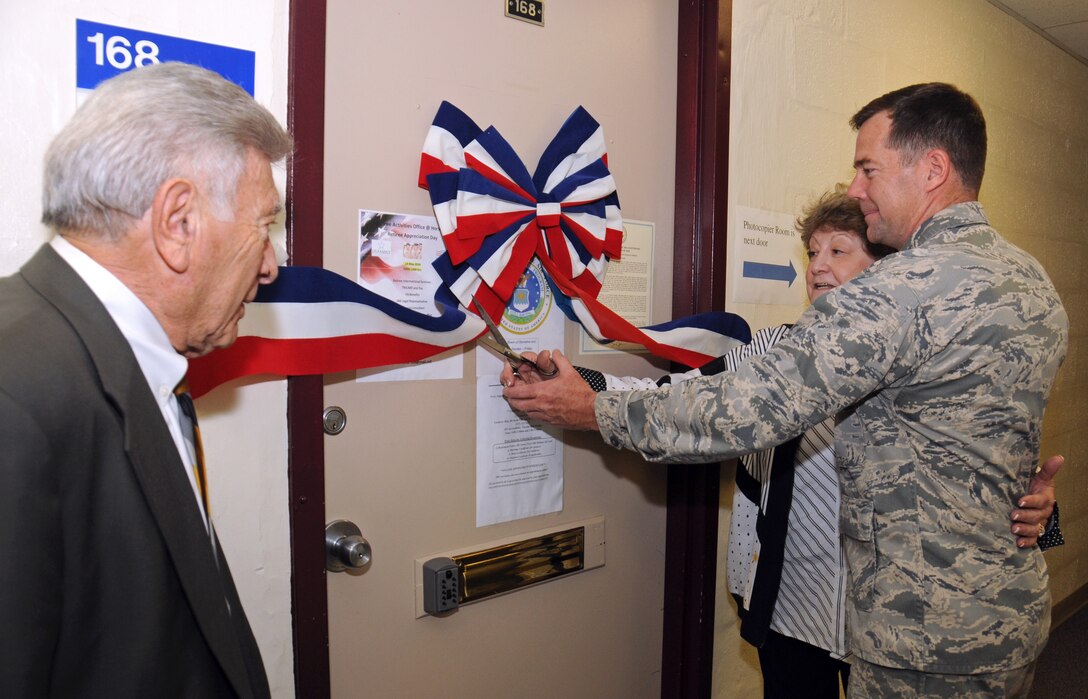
153	455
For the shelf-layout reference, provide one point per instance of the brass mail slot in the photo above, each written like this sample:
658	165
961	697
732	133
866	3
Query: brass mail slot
521	563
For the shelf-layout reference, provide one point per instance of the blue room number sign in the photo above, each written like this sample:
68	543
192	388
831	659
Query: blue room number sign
103	51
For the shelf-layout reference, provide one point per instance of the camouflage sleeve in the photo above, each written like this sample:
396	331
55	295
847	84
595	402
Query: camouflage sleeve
847	344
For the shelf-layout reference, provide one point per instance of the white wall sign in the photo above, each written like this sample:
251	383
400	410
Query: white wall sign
766	259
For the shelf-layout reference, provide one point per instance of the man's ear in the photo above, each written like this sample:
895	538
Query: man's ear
938	168
174	222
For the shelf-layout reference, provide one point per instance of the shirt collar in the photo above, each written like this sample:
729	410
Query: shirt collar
162	367
966	213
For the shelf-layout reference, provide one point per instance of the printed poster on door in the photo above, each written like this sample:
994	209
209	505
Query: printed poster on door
395	257
519	462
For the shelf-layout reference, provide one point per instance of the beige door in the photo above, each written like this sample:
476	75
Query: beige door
404	467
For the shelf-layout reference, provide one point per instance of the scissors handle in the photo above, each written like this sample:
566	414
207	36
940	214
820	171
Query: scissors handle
514	359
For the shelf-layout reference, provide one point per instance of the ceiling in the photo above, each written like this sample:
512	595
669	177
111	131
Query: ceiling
1063	22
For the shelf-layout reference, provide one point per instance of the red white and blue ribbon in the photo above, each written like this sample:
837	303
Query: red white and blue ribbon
313	321
495	218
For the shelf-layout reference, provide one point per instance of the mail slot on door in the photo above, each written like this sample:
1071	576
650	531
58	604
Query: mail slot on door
509	565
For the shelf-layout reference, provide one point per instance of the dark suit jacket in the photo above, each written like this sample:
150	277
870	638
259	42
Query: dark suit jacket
109	586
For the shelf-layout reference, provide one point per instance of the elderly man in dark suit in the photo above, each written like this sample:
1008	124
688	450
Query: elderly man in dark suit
112	582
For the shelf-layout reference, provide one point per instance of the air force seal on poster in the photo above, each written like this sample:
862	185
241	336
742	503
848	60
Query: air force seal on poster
530	303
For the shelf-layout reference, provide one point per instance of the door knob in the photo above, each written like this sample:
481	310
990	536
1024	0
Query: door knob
345	546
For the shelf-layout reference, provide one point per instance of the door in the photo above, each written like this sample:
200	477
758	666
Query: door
403	469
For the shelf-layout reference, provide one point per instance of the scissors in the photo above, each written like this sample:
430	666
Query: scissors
498	343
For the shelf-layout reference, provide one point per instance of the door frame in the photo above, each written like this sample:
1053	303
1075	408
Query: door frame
305	437
704	39
702	141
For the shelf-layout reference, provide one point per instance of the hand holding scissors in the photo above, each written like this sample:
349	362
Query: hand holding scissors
498	343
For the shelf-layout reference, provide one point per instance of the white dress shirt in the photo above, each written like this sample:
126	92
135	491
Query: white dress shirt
162	366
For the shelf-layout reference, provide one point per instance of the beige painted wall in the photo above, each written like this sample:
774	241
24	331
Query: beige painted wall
800	70
245	428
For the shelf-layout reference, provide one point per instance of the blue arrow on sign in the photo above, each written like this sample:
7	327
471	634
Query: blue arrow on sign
775	273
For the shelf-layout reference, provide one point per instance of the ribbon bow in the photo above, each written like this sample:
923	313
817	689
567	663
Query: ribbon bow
494	218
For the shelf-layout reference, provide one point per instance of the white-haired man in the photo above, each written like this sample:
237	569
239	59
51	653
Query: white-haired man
161	194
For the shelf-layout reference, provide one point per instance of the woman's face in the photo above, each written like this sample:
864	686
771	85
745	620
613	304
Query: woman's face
834	258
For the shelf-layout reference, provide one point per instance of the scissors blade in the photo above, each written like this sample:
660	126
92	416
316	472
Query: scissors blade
496	341
490	325
511	355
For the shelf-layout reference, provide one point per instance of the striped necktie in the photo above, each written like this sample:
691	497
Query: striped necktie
190	430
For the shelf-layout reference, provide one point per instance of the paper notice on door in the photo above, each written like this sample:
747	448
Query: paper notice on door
396	255
519	463
628	288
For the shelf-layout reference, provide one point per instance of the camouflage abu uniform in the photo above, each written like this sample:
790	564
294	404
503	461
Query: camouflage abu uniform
944	355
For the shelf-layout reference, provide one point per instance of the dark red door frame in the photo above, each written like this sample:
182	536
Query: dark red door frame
692	519
305	437
702	160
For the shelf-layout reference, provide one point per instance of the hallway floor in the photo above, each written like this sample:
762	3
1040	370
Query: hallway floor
1062	672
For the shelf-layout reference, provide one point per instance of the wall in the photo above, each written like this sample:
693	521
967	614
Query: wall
244	430
800	70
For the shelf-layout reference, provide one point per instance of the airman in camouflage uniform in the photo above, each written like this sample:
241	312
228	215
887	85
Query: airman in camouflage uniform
946	351
938	361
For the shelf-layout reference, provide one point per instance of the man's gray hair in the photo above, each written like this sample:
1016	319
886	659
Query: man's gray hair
143	127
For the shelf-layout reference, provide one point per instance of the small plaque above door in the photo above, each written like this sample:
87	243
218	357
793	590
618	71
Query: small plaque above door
531	11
